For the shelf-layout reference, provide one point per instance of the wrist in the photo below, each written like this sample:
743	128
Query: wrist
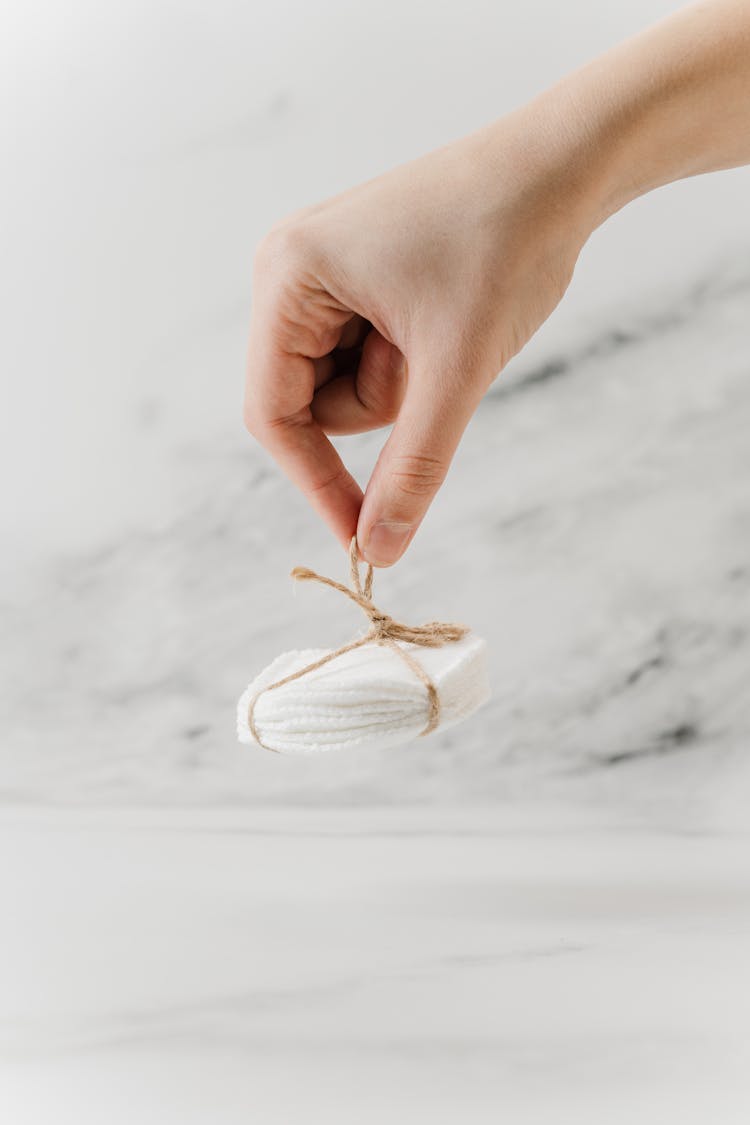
537	166
616	123
667	104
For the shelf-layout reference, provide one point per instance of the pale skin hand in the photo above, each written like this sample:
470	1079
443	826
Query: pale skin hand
402	299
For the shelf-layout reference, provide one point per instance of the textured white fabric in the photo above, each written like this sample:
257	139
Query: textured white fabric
368	696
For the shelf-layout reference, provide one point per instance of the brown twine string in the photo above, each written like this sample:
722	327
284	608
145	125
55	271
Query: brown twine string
383	631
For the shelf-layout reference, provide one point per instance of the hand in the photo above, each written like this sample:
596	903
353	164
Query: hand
400	301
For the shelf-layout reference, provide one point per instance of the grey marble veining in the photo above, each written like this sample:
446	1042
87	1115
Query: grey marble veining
595	528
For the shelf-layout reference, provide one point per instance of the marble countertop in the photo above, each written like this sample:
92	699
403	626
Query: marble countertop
536	964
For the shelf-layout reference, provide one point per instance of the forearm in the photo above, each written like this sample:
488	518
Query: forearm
672	102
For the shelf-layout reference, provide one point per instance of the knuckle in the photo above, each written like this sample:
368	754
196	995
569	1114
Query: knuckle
294	419
338	476
262	420
381	399
285	244
380	388
416	474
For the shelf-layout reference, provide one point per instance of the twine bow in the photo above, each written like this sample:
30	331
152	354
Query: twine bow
384	630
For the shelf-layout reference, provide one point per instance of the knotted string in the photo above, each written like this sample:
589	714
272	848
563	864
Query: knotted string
384	630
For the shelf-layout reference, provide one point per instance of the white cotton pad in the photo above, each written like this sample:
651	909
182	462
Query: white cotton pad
366	697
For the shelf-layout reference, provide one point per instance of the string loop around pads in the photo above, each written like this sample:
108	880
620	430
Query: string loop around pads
384	630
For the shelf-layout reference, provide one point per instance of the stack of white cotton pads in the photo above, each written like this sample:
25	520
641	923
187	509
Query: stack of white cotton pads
368	696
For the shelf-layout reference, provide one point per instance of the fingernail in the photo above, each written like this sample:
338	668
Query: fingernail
385	542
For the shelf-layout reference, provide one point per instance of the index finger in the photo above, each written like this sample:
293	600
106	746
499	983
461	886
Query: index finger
279	391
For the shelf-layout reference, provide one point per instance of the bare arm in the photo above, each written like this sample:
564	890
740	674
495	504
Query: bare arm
671	102
400	300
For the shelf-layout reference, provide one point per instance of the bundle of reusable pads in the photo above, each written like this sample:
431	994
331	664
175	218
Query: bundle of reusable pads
390	685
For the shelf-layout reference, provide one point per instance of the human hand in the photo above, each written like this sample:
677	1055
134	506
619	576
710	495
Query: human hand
400	301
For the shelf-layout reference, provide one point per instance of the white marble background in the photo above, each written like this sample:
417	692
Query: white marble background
542	915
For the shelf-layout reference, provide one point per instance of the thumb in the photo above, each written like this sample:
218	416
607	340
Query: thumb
414	461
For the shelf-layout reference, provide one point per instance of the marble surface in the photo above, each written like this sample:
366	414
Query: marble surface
541	916
607	562
536	964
